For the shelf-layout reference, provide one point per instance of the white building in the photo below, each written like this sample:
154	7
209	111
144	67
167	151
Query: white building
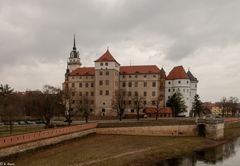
185	83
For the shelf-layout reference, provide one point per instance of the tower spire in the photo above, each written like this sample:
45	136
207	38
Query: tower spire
74	43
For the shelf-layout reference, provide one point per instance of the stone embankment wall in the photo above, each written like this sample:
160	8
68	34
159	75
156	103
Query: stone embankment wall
178	130
20	143
23	138
215	131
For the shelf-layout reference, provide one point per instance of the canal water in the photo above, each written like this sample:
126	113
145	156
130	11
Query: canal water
223	155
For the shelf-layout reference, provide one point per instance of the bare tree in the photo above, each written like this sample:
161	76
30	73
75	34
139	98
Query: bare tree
51	102
158	102
68	101
83	107
229	105
6	105
233	104
138	104
119	103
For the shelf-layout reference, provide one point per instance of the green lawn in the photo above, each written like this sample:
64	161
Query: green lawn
18	129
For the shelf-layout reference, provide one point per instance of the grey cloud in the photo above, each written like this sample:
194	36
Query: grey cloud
41	31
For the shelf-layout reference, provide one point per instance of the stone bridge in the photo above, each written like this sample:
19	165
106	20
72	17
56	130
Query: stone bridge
212	128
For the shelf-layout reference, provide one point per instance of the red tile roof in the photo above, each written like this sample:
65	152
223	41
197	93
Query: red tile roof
83	71
177	72
106	57
144	69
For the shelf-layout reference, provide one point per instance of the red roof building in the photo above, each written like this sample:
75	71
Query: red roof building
177	72
106	57
83	71
143	69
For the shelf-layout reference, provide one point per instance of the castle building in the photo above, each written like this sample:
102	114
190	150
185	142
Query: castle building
101	83
184	82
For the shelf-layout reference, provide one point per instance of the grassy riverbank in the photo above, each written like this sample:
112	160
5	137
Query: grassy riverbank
17	129
119	150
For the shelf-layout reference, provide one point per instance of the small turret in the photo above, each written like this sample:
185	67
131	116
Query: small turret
74	60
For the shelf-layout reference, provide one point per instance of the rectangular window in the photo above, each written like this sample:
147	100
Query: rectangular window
136	84
129	93
153	84
106	64
92	102
107	73
130	76
92	84
145	76
107	92
144	102
136	76
100	92
100	73
86	93
144	93
153	102
92	93
73	94
80	93
154	75
86	85
136	93
100	82
145	84
153	93
73	85
80	84
130	84
129	102
124	84
107	82
123	76
101	64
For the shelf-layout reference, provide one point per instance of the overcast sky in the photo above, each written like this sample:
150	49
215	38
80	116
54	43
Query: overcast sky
36	37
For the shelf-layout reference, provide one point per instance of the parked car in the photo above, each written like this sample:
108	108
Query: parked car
39	122
21	122
30	122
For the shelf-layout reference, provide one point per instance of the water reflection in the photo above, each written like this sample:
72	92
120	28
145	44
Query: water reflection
224	155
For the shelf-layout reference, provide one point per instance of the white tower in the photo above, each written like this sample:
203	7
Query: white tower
179	80
193	86
74	60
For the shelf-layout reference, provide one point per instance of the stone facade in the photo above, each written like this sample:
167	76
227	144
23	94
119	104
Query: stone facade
178	130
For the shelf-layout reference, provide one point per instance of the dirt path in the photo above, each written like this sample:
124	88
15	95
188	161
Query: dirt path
113	157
